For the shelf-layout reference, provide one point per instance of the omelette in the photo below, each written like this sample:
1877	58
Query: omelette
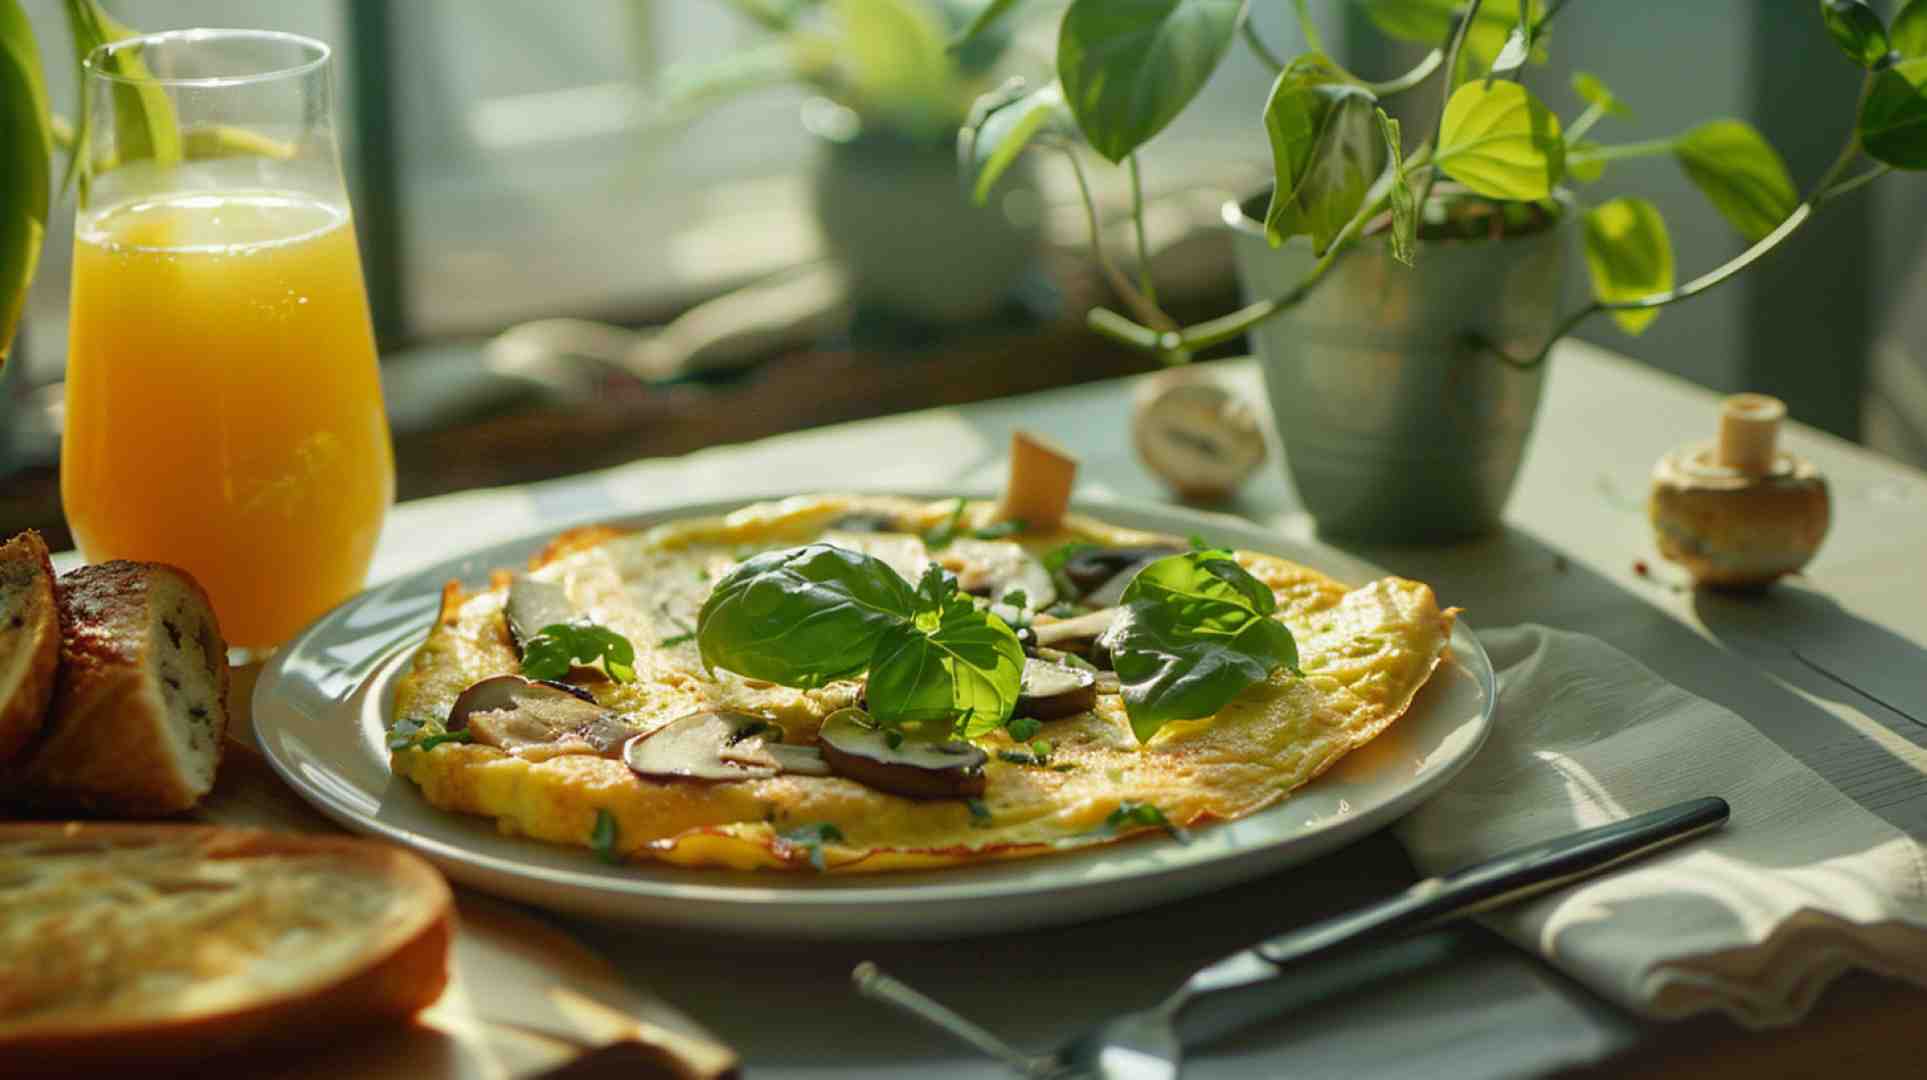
1364	653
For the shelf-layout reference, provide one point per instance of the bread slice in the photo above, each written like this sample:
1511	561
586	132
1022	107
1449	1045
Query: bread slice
140	704
29	640
162	944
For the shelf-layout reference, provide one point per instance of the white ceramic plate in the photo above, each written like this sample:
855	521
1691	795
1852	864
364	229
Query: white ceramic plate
321	709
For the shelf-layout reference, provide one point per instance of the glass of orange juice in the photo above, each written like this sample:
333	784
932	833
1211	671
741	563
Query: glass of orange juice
224	409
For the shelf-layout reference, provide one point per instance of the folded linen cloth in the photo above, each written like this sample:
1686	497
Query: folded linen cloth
1753	920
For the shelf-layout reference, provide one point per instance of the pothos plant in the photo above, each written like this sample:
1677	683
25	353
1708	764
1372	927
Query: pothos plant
29	134
1345	171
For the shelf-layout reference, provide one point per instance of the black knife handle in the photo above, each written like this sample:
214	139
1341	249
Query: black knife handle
1502	879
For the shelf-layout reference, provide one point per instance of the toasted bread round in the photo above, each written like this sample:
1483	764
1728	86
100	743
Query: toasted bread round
140	704
159	945
29	641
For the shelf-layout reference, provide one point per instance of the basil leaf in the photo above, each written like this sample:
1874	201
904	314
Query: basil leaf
1195	631
1055	558
1130	66
803	616
952	659
1025	728
559	646
1130	813
1629	256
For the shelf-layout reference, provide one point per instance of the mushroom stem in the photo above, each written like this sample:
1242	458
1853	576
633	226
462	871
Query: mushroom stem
1750	432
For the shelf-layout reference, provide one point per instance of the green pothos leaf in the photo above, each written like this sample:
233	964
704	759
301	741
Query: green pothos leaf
1856	29
1326	150
1738	171
1908	34
1430	22
1593	91
1629	256
1893	122
1501	142
1130	66
26	178
991	142
145	127
1404	233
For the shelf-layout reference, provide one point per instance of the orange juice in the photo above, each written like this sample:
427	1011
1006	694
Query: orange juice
224	408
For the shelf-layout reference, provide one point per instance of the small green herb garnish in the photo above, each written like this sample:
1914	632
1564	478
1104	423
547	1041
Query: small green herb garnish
1130	813
1018	757
807	616
1041	747
943	534
1055	558
408	735
1195	631
670	642
1017	598
1024	728
979	813
999	530
812	838
602	838
559	646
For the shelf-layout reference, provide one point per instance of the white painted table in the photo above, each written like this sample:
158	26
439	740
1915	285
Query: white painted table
1460	1003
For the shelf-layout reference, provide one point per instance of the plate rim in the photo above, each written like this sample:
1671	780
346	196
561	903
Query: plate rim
474	865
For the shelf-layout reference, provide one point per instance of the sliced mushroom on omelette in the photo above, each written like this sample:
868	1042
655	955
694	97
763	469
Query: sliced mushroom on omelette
1045	783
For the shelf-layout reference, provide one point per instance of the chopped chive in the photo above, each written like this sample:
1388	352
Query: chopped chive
602	838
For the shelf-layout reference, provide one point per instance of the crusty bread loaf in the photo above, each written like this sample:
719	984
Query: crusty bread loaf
155	945
140	704
29	640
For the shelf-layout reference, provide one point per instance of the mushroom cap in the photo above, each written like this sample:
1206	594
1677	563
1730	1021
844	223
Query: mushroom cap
1734	530
1196	435
918	767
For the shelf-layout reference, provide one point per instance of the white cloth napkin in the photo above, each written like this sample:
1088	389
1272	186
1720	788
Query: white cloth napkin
1753	920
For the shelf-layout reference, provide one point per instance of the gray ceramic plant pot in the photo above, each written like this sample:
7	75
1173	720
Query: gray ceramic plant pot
1392	430
895	215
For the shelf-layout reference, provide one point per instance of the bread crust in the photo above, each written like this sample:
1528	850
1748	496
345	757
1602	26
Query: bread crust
105	748
29	637
401	972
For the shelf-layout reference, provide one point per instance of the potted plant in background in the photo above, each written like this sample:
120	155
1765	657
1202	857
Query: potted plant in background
26	169
891	97
1403	291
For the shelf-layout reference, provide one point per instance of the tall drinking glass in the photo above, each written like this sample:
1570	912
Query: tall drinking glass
224	408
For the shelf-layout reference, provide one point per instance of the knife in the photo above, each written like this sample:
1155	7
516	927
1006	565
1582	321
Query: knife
1251	985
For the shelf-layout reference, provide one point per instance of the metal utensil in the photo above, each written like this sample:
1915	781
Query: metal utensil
1227	995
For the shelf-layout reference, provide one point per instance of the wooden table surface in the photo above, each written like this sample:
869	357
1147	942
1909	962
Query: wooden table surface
1575	553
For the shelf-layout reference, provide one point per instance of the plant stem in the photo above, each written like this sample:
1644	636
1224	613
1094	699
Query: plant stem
1552	9
1867	177
1617	151
1445	92
1144	281
1578	128
1258	46
1420	72
1306	26
1823	190
1136	301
